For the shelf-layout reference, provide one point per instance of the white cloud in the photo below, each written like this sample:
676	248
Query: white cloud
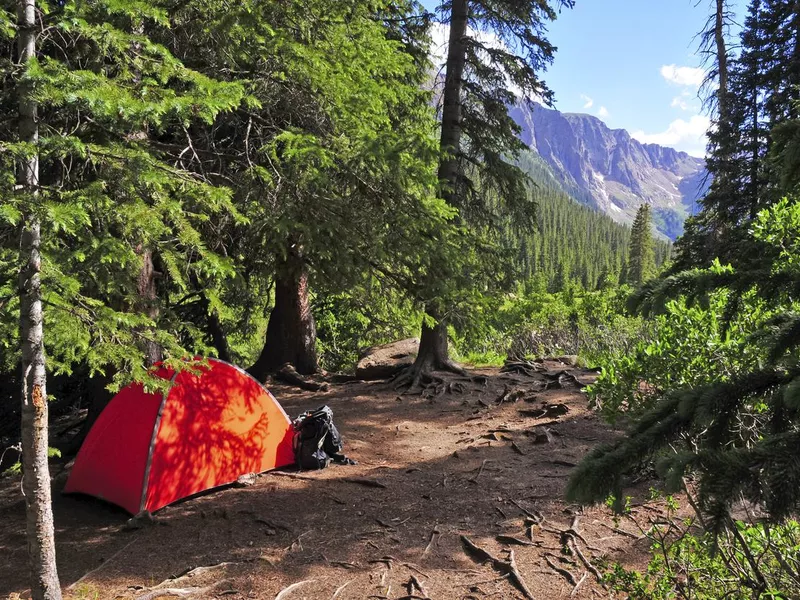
685	102
680	102
588	102
688	136
440	36
602	112
688	76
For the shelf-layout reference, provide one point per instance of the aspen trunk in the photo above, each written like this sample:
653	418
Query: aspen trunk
35	471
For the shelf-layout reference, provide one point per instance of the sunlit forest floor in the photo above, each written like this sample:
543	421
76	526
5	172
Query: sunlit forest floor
430	471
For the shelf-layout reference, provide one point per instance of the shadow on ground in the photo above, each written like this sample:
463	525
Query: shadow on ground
451	467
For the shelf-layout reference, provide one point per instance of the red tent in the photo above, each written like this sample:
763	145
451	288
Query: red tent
148	450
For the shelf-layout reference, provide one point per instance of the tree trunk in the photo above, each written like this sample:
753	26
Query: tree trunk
433	351
291	332
148	304
450	140
35	471
218	338
722	63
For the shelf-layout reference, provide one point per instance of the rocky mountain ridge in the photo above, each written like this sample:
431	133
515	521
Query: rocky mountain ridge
611	171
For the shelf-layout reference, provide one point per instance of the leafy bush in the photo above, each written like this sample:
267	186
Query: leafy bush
533	322
347	323
750	562
688	345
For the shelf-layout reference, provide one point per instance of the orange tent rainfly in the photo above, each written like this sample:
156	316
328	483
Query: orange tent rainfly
148	450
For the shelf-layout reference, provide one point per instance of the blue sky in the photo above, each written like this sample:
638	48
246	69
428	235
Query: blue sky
634	64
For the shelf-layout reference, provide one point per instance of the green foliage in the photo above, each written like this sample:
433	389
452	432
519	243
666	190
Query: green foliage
753	146
109	95
733	426
349	322
759	562
641	257
687	345
532	322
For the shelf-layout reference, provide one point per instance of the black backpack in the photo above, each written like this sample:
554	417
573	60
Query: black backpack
317	441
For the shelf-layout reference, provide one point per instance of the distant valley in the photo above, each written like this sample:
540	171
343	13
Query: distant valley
609	170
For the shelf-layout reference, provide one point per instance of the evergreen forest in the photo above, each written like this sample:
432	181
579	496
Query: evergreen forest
300	188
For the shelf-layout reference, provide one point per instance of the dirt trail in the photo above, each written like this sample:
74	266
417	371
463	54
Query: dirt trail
459	465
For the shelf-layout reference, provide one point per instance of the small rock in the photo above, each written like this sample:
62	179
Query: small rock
246	480
381	362
143	519
568	359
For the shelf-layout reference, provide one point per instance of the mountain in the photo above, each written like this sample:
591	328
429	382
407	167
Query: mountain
609	170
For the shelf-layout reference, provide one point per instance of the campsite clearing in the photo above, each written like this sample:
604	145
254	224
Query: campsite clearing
455	497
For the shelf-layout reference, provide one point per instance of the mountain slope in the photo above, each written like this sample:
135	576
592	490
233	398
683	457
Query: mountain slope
611	171
573	242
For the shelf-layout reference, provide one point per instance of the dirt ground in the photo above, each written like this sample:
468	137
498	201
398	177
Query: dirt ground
461	464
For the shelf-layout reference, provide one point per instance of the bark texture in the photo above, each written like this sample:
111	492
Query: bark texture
291	332
148	303
36	474
450	139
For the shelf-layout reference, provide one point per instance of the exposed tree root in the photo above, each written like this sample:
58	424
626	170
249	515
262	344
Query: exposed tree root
288	374
415	585
506	568
522	367
578	585
427	378
286	591
563	572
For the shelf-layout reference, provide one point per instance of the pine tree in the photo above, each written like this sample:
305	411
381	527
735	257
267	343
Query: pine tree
92	189
336	176
641	256
739	436
761	98
478	138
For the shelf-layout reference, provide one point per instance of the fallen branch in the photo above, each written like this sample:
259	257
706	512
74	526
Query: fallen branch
483	466
435	532
340	589
179	592
193	572
414	585
507	568
158	591
102	565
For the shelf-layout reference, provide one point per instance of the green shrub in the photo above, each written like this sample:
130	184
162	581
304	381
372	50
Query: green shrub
752	562
688	345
